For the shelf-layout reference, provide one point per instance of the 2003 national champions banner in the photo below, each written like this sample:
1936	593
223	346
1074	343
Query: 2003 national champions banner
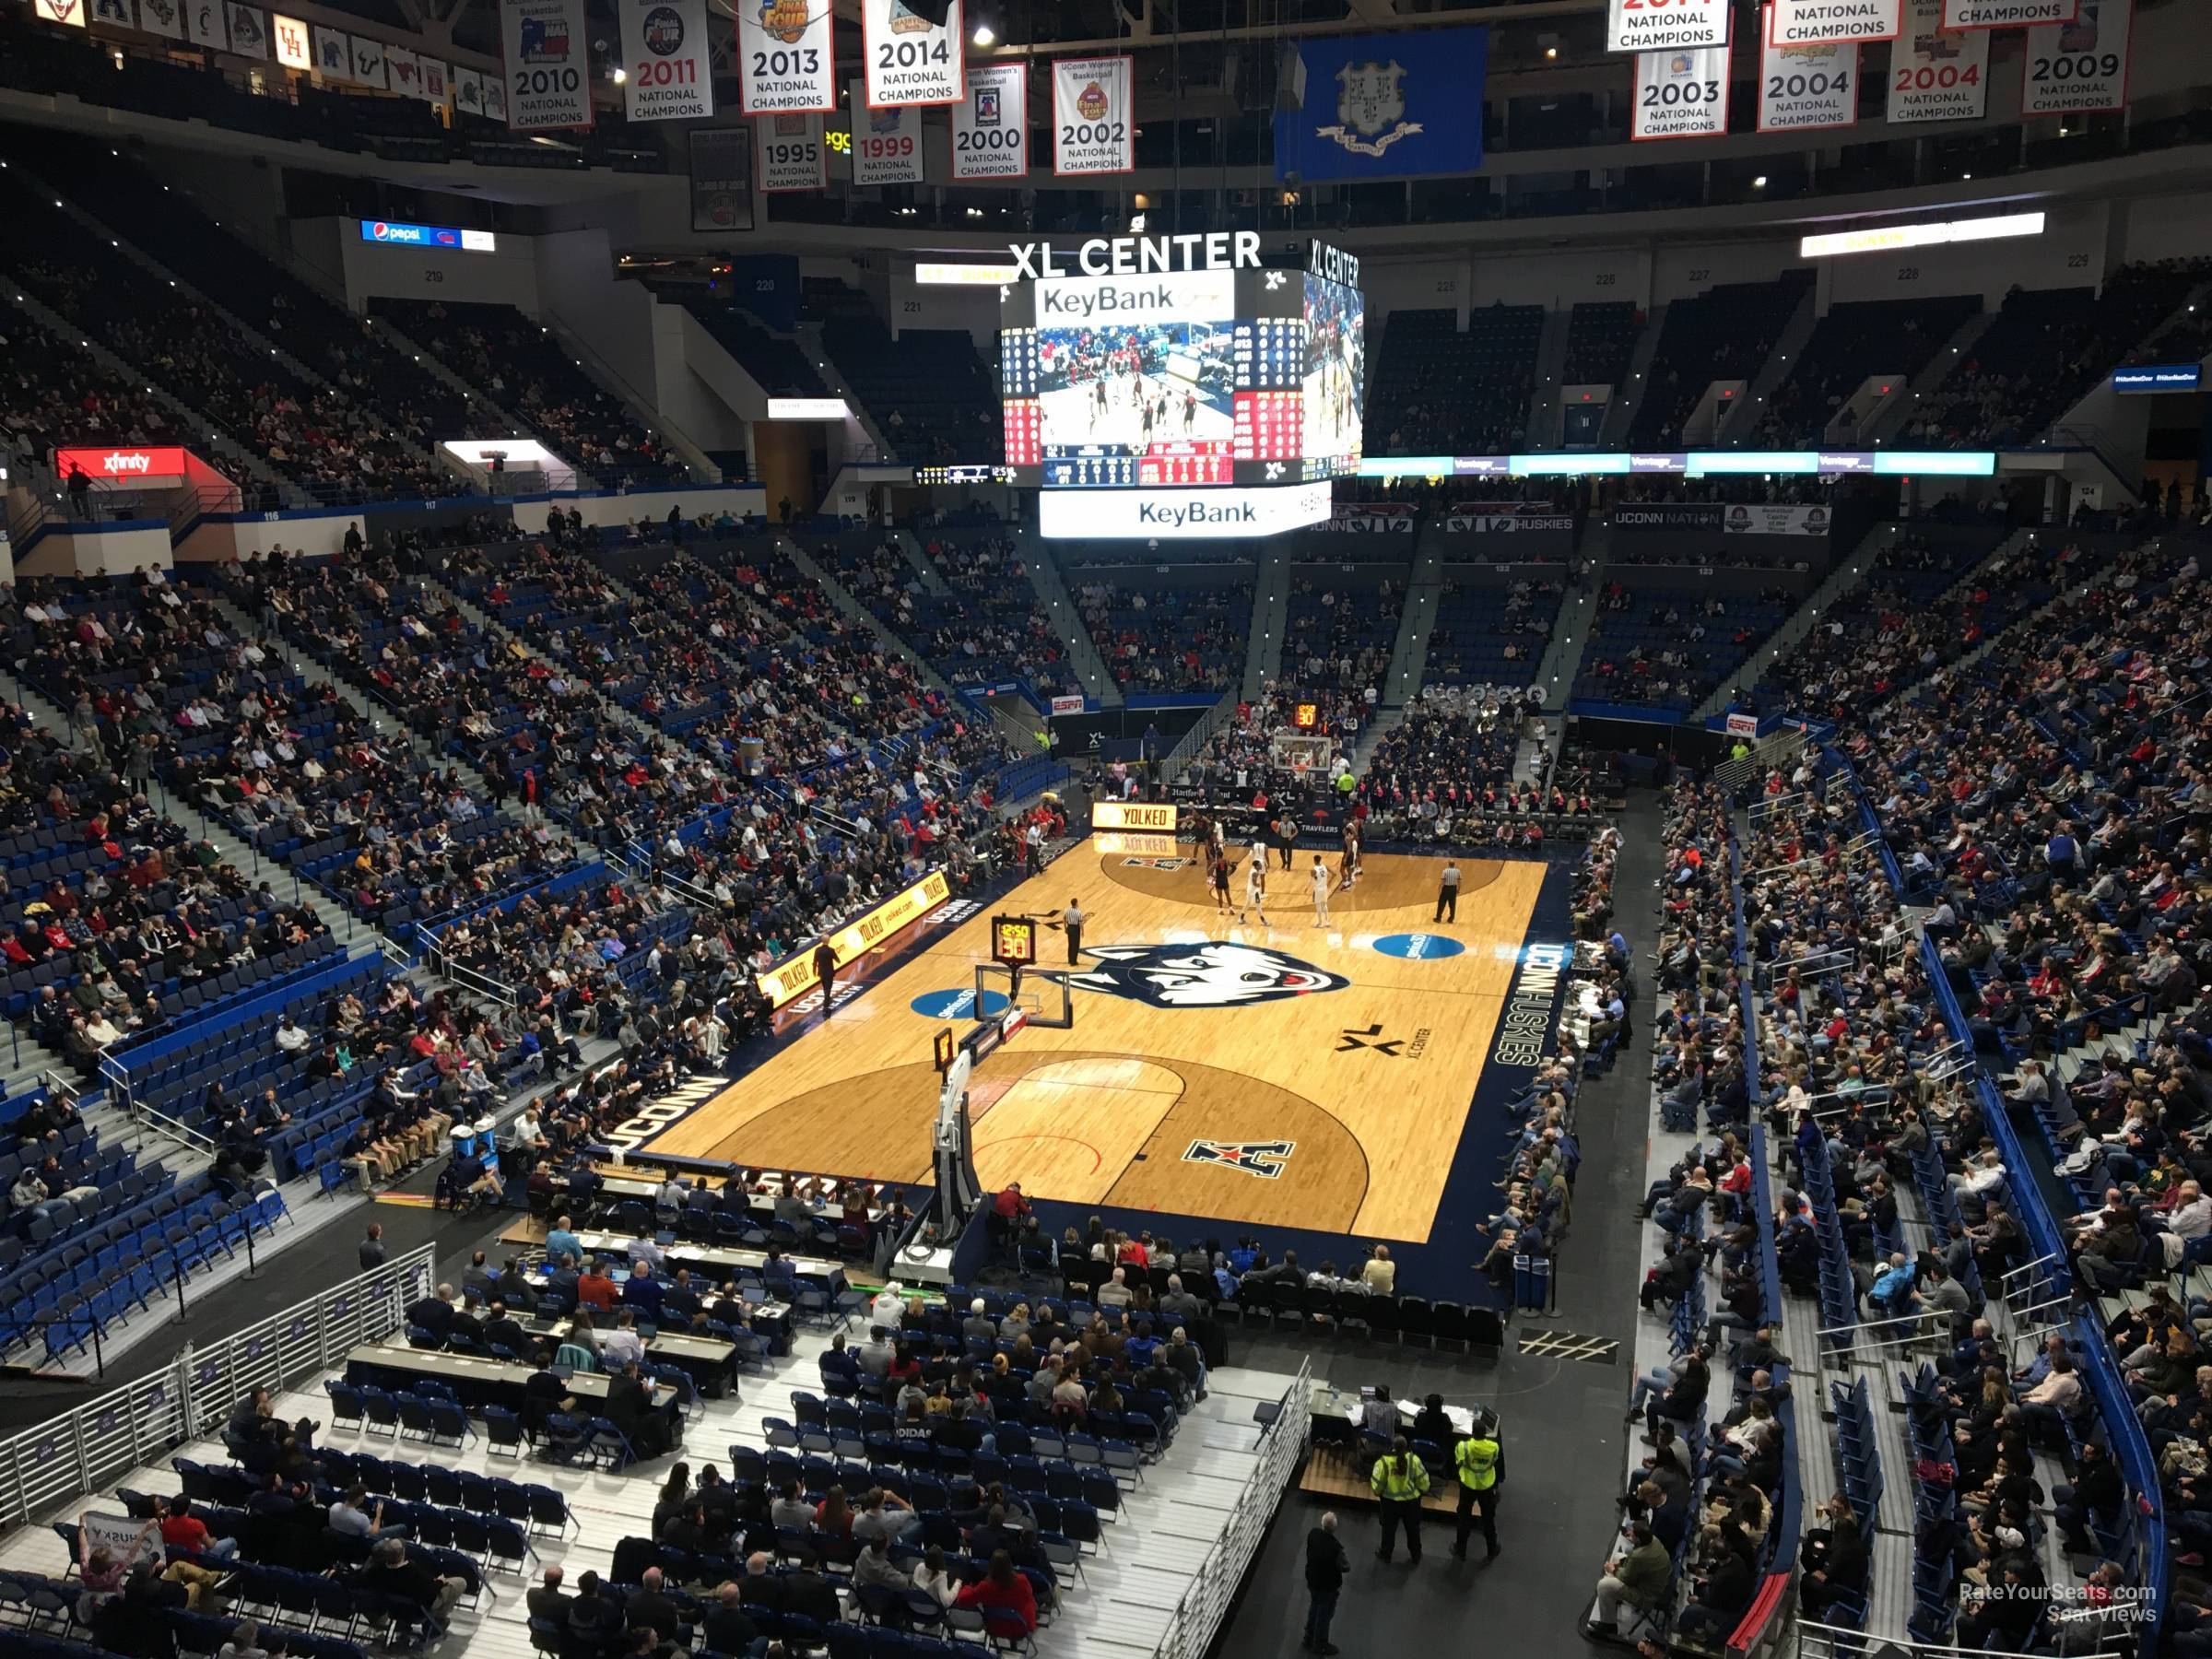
991	125
1386	106
1680	94
547	47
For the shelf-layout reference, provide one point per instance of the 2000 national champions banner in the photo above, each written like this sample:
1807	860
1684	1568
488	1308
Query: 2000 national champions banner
991	125
548	49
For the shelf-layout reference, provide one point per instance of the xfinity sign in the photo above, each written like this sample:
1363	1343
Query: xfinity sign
1181	514
1140	255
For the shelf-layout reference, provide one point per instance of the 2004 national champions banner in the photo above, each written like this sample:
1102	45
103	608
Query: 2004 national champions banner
1936	74
548	48
1386	106
991	125
670	74
786	63
1804	88
1094	121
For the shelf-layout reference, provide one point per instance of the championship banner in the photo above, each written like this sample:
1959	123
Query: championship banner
2074	68
434	84
295	47
792	155
1093	125
1776	520
785	60
545	46
468	92
1935	75
1661	24
1801	87
910	60
405	69
722	178
370	69
665	52
495	99
1386	106
1680	94
991	125
333	59
69	14
2007	13
205	23
249	31
163	18
886	143
1817	22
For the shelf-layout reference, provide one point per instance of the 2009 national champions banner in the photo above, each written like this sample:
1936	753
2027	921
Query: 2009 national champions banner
785	59
669	73
1386	106
991	125
2075	68
548	49
1094	123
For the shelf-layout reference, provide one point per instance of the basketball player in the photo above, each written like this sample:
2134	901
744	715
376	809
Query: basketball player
1216	876
1190	411
1320	877
1255	887
1350	866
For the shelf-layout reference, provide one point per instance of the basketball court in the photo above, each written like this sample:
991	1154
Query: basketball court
1286	1074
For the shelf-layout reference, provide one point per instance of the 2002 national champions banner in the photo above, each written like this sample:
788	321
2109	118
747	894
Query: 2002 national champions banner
1094	125
1386	106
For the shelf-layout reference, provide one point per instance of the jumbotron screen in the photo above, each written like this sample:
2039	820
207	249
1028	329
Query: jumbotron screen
1181	379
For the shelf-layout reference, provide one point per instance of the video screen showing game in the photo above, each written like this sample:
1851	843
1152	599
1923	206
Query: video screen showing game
1335	377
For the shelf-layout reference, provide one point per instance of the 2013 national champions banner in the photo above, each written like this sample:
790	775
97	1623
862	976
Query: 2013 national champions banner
1386	106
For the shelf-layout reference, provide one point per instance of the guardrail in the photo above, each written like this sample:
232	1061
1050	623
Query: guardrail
1199	1615
74	1454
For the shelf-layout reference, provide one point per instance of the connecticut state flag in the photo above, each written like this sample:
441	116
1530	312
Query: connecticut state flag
1386	106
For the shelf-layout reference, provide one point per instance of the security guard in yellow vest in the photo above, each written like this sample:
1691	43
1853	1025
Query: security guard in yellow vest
1400	1482
1479	1462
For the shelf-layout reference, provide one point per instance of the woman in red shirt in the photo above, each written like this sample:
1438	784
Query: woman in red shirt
1002	1587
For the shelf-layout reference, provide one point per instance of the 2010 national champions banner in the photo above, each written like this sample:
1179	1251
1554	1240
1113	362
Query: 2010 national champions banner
1094	121
1386	106
1936	74
669	73
991	125
786	63
910	60
546	45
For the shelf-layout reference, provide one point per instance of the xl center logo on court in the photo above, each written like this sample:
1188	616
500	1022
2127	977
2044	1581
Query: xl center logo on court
1211	975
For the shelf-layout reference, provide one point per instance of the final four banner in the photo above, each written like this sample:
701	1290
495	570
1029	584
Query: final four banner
786	63
1653	25
991	125
1802	88
886	143
546	44
910	60
2071	68
666	54
1386	106
1093	121
1680	94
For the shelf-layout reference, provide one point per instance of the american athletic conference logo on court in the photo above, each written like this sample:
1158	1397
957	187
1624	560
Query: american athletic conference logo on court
1212	975
1264	1159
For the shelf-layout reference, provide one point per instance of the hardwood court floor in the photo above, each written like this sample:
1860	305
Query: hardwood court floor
1288	1075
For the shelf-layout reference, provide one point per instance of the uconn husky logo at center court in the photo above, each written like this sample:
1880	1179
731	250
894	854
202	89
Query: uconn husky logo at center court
1211	975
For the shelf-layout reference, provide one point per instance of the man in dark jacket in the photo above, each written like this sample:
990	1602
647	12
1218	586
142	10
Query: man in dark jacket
728	1630
649	1607
1326	1566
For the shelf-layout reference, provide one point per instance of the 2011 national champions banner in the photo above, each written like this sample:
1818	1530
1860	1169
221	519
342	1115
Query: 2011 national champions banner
1386	106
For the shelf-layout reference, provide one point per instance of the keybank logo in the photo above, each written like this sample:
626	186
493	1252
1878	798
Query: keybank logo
1183	515
1087	302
